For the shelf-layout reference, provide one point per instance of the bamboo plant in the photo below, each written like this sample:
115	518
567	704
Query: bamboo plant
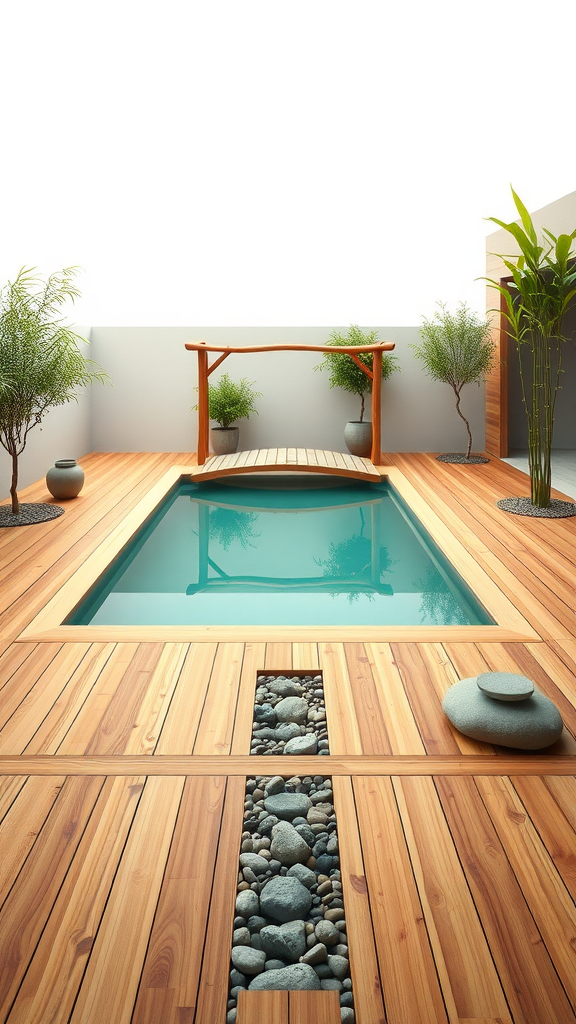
541	290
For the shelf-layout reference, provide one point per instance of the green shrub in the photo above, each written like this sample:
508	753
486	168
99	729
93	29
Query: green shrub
230	400
344	372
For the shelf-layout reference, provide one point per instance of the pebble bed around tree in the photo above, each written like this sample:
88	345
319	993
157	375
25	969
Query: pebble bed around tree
290	928
289	716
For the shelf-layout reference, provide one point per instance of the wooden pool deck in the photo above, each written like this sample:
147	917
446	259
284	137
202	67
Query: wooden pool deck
122	787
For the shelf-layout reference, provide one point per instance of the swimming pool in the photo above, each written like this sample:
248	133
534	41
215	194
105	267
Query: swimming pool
286	554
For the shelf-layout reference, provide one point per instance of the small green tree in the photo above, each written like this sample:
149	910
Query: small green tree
42	365
230	400
456	349
345	373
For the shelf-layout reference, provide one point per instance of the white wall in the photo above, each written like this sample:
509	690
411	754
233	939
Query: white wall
65	433
149	406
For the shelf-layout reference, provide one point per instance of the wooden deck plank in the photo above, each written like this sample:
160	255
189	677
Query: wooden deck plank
9	789
313	1007
56	969
81	731
400	723
49	736
214	734
409	979
369	711
550	903
114	733
435	730
24	678
367	988
470	984
278	657
183	716
514	939
213	991
30	900
305	658
22	824
252	661
343	731
169	984
555	820
262	1007
38	702
110	983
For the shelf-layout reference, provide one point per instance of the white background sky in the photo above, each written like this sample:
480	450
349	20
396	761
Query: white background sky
303	162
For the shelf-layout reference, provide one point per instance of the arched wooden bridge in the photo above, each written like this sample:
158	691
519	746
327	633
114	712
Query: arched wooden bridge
286	460
311	460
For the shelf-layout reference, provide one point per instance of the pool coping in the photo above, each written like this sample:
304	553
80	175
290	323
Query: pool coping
47	625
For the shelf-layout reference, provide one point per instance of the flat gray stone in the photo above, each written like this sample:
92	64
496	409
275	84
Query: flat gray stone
287	845
287	731
274	786
248	960
296	976
247	903
530	724
285	941
285	899
303	874
288	805
339	966
285	688
505	685
292	709
259	865
307	744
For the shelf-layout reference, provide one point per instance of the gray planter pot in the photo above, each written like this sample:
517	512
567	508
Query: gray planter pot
358	438
224	440
65	479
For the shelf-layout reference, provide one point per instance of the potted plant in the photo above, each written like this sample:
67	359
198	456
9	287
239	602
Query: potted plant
456	349
541	290
42	366
346	374
228	401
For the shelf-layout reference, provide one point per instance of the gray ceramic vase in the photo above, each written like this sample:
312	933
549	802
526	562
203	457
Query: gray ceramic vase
358	438
65	479
224	440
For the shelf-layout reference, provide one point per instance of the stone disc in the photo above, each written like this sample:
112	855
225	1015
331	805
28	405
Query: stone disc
508	686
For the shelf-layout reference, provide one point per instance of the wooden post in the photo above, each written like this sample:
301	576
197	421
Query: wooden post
203	446
376	407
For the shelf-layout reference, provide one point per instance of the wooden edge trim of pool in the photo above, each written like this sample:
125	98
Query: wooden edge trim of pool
47	624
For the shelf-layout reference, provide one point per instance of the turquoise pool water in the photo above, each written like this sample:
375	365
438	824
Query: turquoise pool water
217	554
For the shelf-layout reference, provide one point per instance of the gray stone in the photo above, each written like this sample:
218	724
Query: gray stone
287	731
267	824
508	686
315	955
347	1015
247	903
303	874
331	985
346	999
286	688
296	976
287	845
288	805
236	978
339	966
285	899
231	1016
321	796
323	971
307	744
241	937
327	933
529	724
265	714
251	860
256	923
276	785
286	941
274	965
248	960
307	834
292	709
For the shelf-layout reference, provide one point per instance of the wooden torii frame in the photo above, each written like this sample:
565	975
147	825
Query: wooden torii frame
204	371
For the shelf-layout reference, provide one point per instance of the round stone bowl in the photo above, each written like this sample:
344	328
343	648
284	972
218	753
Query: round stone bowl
524	722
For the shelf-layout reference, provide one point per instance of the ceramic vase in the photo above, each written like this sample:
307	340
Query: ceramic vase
65	479
224	440
358	438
